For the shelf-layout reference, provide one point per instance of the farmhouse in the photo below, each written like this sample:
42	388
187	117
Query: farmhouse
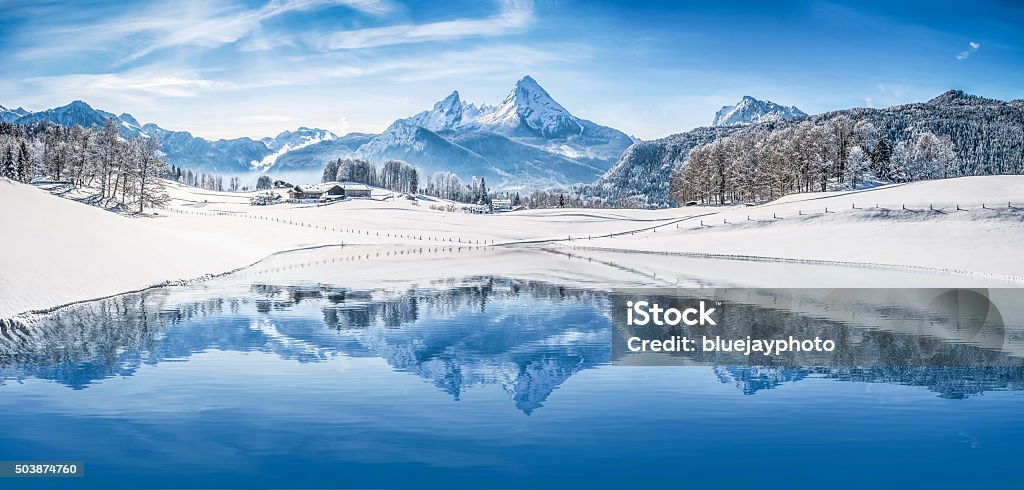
356	190
502	204
328	191
316	191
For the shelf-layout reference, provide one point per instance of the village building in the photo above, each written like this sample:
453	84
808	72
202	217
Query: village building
328	191
316	191
356	190
501	204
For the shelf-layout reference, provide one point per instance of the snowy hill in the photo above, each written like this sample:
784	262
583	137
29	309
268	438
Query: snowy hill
987	136
528	141
207	232
753	111
238	155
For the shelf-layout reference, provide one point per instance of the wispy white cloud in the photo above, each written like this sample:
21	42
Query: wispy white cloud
971	49
141	83
513	17
192	23
229	27
505	61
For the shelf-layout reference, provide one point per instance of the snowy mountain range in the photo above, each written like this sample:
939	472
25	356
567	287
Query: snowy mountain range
987	136
11	115
181	147
753	111
527	141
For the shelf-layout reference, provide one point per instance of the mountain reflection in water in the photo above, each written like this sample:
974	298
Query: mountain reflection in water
527	337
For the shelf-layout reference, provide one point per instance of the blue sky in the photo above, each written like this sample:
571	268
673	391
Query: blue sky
227	68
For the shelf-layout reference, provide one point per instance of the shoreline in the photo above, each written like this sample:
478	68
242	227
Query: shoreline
75	253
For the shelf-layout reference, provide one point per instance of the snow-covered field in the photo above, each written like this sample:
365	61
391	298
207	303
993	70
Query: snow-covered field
59	251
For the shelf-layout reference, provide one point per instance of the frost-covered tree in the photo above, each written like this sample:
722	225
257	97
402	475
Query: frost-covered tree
24	164
399	176
330	173
121	171
842	138
7	164
930	157
446	185
857	165
150	169
264	182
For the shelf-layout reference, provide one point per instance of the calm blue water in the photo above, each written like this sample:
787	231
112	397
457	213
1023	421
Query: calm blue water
480	383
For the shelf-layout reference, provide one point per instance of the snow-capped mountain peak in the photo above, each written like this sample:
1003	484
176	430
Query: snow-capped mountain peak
529	107
753	111
82	114
128	118
448	113
527	141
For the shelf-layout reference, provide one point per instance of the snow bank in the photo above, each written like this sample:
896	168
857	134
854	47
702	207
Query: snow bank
59	251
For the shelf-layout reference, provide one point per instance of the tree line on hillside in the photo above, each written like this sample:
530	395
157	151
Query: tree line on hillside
400	176
395	175
986	136
210	182
762	164
125	173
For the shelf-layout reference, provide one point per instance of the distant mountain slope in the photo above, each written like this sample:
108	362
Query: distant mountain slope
753	111
81	114
315	155
11	115
987	135
238	155
228	156
641	176
528	141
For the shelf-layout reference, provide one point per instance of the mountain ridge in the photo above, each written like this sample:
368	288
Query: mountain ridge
641	177
528	141
750	110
